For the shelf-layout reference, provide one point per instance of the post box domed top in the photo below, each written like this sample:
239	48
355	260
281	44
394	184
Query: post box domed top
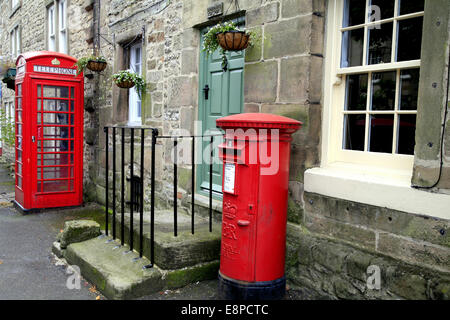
259	121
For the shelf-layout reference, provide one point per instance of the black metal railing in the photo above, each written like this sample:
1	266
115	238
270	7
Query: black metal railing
137	196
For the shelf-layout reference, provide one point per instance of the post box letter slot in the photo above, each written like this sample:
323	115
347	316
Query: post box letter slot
243	223
235	154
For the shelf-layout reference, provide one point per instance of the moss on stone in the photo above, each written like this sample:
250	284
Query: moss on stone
294	212
182	277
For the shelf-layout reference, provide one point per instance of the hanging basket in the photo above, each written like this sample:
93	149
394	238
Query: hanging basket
125	84
233	40
96	66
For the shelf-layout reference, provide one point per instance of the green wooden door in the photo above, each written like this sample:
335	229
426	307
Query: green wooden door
225	97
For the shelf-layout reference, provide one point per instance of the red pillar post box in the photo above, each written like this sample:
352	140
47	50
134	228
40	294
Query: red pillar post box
49	131
255	156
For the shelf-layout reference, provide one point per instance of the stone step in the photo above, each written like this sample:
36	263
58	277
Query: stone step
119	273
184	250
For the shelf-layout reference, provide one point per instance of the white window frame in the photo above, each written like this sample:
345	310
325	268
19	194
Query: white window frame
62	26
57	29
335	90
15	36
377	179
51	28
14	4
134	101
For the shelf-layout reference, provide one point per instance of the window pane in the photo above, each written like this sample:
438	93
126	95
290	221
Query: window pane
381	9
55	118
356	95
54	186
406	134
411	6
381	132
409	88
354	131
54	172
56	92
409	39
354	11
383	91
62	42
352	48
380	43
55	105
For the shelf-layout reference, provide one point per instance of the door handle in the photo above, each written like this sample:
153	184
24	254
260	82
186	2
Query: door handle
243	223
206	91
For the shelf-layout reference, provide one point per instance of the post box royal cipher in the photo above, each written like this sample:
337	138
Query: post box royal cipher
255	158
49	131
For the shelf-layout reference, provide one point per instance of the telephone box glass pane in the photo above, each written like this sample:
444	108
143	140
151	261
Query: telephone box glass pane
56	105
49	173
56	92
54	185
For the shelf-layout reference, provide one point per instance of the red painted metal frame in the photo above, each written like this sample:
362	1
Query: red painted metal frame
27	192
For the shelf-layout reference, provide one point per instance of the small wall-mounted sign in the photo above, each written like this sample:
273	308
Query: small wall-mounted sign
229	178
215	10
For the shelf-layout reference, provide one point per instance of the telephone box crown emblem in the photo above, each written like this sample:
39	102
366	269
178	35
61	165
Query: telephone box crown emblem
56	62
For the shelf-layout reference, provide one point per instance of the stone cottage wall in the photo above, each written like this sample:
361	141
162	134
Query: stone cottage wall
281	76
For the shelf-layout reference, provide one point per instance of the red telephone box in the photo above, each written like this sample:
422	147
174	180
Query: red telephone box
49	131
255	158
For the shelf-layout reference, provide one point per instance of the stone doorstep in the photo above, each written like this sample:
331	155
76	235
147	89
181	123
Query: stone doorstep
172	252
120	274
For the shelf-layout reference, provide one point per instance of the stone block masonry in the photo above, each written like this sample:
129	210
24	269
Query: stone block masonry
337	241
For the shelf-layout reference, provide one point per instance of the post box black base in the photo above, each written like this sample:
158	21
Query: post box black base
230	289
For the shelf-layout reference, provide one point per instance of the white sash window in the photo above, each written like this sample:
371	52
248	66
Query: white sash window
372	98
134	101
57	31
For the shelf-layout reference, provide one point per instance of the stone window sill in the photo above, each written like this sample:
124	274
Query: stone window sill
384	188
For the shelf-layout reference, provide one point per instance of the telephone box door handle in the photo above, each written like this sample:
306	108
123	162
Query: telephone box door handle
243	223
